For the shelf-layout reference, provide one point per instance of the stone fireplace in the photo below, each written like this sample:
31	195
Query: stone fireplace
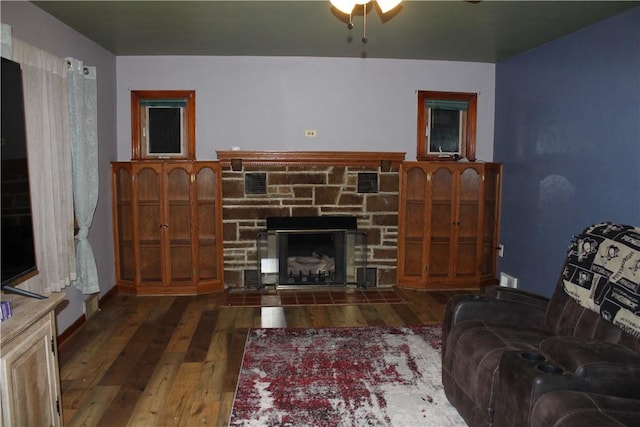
260	189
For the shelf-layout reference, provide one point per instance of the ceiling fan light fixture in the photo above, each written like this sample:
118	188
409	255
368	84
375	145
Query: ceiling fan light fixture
347	6
387	5
344	6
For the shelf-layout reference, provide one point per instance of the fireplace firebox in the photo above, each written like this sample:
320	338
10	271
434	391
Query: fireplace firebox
311	251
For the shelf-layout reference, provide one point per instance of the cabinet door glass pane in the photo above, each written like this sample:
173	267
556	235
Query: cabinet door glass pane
178	219
206	222
416	183
180	263
179	224
412	260
441	224
414	222
124	225
149	225
489	243
467	223
150	264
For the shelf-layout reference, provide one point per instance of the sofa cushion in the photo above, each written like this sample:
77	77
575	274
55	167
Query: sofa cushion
578	409
602	274
593	358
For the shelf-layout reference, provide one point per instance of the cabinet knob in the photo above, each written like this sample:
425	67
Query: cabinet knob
163	226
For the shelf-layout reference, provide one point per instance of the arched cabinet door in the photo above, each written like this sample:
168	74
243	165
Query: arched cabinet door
122	203
207	225
177	224
167	227
467	225
148	223
490	221
412	229
447	228
441	219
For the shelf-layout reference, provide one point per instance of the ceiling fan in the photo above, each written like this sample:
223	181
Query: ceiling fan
347	6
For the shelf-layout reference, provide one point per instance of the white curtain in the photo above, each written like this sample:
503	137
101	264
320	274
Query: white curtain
84	149
49	158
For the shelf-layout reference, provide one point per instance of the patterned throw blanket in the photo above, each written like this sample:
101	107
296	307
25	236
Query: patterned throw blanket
603	273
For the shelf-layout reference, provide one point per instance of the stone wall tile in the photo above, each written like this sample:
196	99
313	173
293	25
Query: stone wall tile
347	199
389	183
341	210
385	220
385	254
233	188
252	213
337	175
326	195
303	192
230	231
307	178
248	234
382	203
305	211
297	202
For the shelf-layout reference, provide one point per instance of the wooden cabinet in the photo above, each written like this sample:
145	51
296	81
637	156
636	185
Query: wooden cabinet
29	373
168	227
448	224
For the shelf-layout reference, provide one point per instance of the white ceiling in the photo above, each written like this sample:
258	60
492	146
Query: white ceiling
456	30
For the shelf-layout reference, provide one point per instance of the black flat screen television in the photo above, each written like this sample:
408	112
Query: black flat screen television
18	246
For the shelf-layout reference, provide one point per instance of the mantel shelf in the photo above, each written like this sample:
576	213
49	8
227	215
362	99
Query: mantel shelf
297	158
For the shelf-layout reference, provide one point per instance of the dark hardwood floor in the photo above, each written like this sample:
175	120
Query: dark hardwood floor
174	360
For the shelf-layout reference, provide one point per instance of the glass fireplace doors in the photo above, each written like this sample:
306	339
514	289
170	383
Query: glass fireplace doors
298	258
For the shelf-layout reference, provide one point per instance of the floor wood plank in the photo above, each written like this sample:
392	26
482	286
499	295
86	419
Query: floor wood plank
178	404
174	360
93	408
150	405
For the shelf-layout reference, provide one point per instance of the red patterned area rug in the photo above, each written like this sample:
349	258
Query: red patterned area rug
368	376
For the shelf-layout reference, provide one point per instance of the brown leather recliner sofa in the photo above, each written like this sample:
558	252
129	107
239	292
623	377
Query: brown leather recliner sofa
515	359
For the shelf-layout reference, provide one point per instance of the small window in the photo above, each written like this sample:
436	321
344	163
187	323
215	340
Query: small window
163	124
446	125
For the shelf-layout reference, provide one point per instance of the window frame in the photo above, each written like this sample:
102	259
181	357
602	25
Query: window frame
468	142
139	143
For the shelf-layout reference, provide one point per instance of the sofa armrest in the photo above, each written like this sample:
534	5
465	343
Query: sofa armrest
490	310
517	295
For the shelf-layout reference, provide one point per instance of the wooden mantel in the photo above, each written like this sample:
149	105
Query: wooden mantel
385	160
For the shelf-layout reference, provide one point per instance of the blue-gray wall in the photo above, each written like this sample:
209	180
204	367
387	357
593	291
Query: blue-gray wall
567	129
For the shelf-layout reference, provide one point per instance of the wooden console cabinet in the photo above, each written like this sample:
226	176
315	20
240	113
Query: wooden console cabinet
167	226
29	376
448	224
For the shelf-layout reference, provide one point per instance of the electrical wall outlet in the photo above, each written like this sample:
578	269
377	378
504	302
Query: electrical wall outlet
310	133
508	281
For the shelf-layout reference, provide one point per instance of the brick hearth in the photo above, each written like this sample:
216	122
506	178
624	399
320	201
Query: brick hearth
260	184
